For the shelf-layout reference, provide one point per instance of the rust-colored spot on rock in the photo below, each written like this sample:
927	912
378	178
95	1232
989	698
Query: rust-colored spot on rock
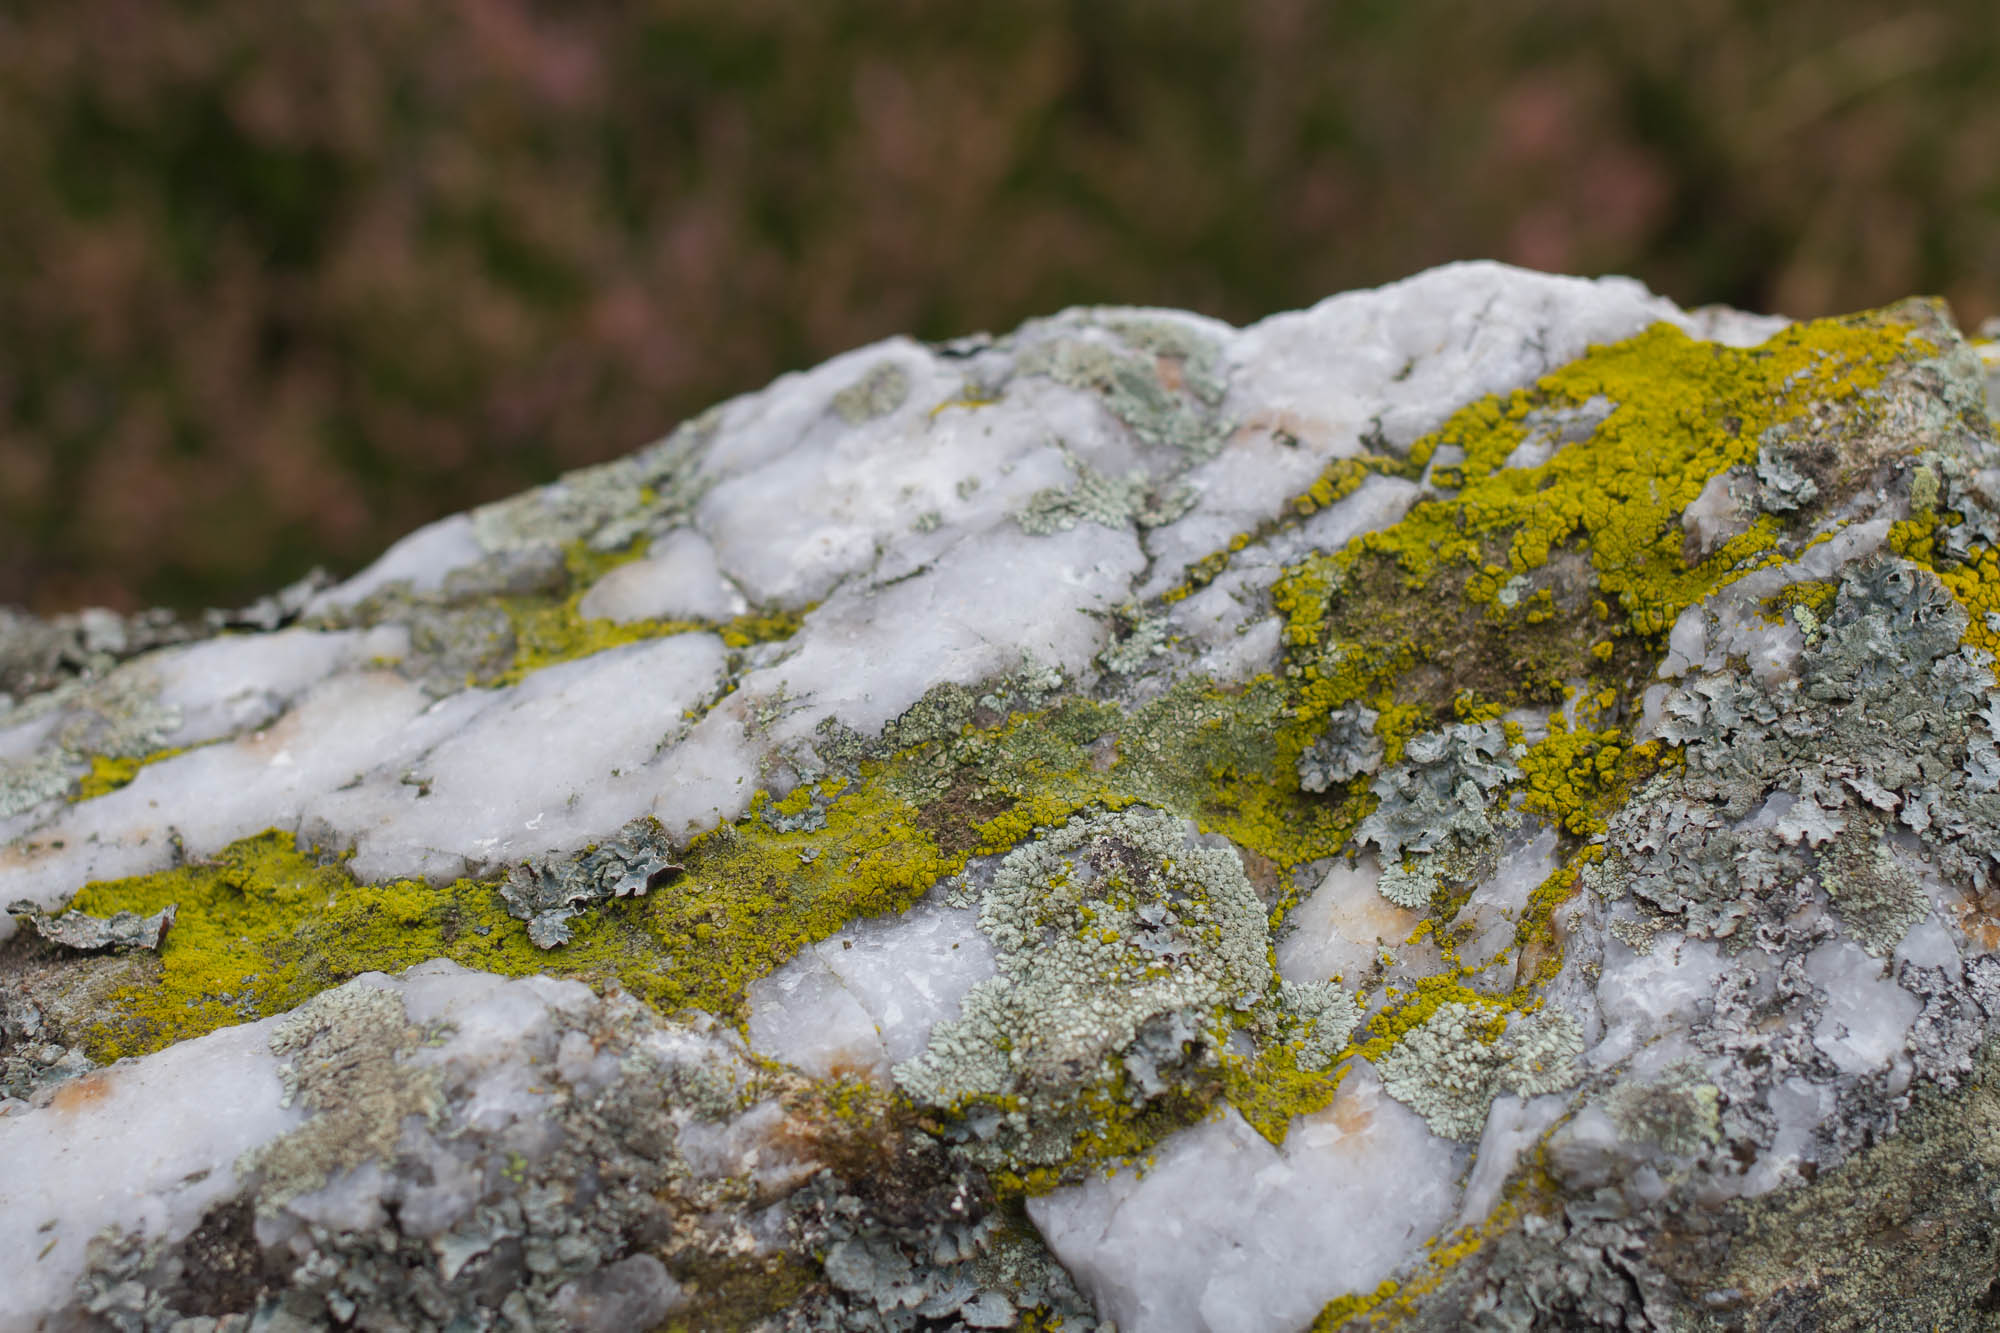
79	1093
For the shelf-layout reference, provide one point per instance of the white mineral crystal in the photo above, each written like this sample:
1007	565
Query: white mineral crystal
1776	949
1226	1233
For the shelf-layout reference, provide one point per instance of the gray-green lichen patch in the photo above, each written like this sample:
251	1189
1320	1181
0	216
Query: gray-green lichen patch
1679	1111
1133	499
547	892
116	716
480	1154
1143	639
1108	924
77	930
1126	946
1450	1067
883	389
1882	734
1347	749
33	1061
343	1053
607	507
985	1272
1785	487
39	654
1165	384
43	776
1435	817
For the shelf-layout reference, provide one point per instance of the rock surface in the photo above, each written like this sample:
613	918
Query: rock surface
1475	805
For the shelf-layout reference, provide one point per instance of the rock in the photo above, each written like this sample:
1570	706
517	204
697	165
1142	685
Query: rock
1470	806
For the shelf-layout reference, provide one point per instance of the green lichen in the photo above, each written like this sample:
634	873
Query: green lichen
1813	596
876	394
607	507
265	925
1588	539
1105	925
1679	1111
1450	1067
1577	777
1165	389
1877	897
1127	950
342	1054
1133	499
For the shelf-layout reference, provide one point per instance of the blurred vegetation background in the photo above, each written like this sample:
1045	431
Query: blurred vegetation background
279	282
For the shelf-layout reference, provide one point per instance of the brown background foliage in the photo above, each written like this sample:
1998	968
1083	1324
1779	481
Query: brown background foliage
279	282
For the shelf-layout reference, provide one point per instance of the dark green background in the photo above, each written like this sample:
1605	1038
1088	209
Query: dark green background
280	281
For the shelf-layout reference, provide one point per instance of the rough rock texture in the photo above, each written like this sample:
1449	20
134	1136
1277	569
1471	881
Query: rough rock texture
1475	805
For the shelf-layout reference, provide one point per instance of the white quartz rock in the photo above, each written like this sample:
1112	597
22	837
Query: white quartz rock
144	1147
869	653
1345	926
867	997
1228	1234
1316	385
1643	996
573	751
199	802
1867	1014
421	561
991	514
678	579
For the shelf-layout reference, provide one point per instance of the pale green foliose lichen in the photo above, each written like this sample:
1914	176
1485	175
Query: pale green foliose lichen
1166	390
1112	502
606	507
1435	808
1347	749
1451	1067
1105	925
1884	733
881	391
343	1053
1144	639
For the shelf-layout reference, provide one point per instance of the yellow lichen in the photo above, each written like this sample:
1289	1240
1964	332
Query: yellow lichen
1975	582
552	630
1577	778
1815	595
108	774
264	926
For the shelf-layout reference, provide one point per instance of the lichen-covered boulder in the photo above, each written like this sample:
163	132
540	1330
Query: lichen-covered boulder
1476	805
